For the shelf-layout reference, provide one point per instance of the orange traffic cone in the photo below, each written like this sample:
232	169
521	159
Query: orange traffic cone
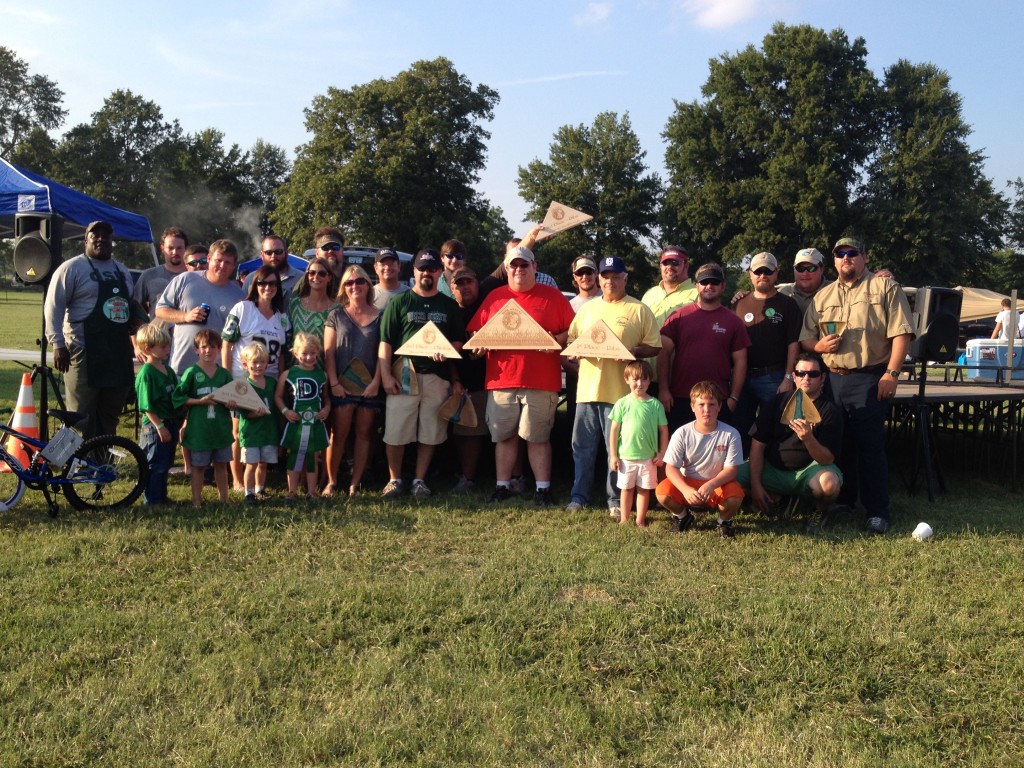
25	421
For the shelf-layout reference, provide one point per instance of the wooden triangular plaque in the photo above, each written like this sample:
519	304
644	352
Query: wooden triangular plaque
561	217
426	342
598	341
800	406
512	328
401	369
459	409
355	378
828	327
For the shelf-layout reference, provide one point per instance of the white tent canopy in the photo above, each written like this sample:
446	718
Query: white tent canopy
981	304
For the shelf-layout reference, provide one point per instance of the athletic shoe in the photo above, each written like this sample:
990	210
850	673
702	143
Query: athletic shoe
501	493
877	525
393	489
817	522
615	513
420	489
543	498
725	530
517	484
680	523
250	498
465	485
573	506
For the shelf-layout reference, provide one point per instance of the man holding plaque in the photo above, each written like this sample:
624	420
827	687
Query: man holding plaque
796	440
523	381
601	381
861	326
412	416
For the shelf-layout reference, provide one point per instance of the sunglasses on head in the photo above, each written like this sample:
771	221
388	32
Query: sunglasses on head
812	268
355	281
196	263
265	283
330	247
316	273
710	281
764	271
273	252
809	374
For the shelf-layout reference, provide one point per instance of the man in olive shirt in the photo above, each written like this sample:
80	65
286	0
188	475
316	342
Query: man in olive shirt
861	325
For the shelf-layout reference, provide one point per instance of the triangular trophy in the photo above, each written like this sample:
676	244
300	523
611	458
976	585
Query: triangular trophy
829	327
598	341
355	378
512	328
459	409
799	406
401	369
561	217
426	342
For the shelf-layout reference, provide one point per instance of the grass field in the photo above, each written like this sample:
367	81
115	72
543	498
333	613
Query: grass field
455	633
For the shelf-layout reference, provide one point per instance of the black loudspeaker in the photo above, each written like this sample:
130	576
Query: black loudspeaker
37	240
937	316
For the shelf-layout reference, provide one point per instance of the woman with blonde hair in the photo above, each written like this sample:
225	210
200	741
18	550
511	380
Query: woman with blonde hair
352	333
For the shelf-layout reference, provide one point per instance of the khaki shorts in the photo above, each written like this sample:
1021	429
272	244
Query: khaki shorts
531	412
479	401
414	418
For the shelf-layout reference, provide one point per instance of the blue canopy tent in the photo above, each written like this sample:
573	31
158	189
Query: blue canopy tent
22	191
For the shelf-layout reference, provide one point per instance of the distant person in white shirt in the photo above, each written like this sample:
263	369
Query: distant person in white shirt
1007	320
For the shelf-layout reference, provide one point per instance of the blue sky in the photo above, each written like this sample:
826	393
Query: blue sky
249	69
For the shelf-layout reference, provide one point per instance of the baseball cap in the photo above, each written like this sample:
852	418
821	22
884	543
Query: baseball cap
710	271
809	256
584	262
462	272
675	252
105	225
848	242
519	252
611	264
428	258
764	259
385	253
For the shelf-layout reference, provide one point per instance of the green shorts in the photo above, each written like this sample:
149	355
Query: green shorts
788	482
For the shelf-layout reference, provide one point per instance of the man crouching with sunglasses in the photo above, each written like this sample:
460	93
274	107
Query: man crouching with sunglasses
793	453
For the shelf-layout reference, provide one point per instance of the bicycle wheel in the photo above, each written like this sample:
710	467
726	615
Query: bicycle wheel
12	488
107	472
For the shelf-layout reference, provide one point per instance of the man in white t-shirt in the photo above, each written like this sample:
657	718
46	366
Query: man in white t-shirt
1008	322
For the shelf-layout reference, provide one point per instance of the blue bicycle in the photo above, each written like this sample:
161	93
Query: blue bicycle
104	472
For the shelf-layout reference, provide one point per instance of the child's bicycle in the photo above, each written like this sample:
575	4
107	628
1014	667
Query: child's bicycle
104	472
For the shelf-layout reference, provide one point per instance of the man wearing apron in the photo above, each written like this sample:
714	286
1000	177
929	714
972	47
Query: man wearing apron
89	322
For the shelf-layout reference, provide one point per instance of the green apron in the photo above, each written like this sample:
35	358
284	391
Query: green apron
108	354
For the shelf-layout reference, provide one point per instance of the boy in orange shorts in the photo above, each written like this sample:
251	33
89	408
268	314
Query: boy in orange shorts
701	463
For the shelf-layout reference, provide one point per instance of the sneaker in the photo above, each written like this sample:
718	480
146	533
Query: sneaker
817	521
615	513
517	484
680	523
543	498
501	493
263	496
393	489
465	485
250	498
420	489
877	525
725	530
573	506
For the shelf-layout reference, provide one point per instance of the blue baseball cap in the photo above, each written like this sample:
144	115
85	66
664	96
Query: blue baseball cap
611	264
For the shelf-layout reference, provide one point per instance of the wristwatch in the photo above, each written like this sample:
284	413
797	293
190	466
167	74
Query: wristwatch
789	376
894	373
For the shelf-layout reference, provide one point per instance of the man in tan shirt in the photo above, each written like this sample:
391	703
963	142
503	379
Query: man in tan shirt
861	325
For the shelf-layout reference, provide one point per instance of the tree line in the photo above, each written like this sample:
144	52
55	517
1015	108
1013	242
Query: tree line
791	144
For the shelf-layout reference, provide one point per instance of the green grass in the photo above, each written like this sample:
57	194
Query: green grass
453	633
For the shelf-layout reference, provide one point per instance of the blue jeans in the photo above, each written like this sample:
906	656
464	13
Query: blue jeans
589	433
160	457
864	461
757	393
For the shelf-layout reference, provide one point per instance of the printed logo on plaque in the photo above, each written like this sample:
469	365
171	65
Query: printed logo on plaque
427	342
598	341
511	327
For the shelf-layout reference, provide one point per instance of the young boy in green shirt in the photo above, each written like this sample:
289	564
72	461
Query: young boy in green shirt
257	430
154	389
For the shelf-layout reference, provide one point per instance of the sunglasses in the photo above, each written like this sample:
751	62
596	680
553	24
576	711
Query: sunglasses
273	252
809	374
847	254
764	271
710	281
812	268
330	247
671	263
464	281
196	263
316	273
583	272
456	256
356	281
519	265
267	283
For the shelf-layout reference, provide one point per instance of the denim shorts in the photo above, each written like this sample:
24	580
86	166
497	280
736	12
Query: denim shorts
370	403
259	454
205	458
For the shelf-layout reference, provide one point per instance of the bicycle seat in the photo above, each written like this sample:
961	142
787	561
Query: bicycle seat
71	418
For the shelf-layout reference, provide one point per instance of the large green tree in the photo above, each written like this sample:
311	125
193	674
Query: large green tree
600	170
27	102
930	213
393	161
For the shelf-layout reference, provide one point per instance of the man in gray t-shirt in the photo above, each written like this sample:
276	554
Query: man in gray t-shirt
151	283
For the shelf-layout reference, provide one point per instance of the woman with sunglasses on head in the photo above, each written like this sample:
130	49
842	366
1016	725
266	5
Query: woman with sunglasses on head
259	318
313	299
352	333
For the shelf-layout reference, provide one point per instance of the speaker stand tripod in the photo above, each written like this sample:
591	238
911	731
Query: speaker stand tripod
923	451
